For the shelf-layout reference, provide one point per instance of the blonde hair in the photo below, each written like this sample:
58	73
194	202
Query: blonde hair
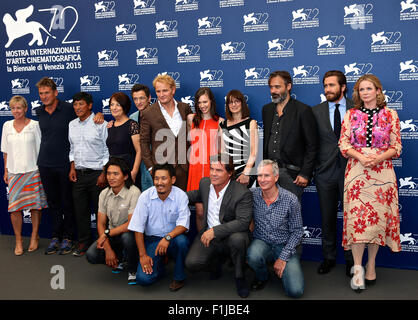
380	99
164	78
20	100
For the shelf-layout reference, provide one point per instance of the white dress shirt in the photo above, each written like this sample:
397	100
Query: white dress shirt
175	122
214	205
22	148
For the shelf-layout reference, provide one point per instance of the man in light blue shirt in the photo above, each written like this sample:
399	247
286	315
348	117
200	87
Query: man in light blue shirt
160	221
88	155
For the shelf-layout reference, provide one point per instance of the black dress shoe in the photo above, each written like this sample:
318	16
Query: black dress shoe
257	284
242	287
370	282
348	266
326	266
216	274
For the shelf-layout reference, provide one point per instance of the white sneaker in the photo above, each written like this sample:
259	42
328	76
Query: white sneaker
131	278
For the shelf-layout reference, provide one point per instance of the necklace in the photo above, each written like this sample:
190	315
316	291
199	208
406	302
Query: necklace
268	201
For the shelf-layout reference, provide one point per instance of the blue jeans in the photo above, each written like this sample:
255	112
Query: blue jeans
146	179
178	248
260	253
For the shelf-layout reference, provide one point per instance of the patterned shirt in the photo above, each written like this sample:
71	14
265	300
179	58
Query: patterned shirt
376	128
279	223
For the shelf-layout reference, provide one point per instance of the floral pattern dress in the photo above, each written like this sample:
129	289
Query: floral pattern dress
371	212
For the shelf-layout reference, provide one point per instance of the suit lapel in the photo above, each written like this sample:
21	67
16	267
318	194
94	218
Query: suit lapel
270	109
324	115
225	201
159	117
205	201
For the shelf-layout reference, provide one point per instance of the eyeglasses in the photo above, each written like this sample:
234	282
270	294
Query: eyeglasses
234	102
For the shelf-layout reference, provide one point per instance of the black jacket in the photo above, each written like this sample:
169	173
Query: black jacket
299	135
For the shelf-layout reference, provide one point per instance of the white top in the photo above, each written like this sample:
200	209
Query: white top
22	148
174	122
214	205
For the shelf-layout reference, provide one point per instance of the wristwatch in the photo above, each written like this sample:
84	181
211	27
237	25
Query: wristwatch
107	233
168	237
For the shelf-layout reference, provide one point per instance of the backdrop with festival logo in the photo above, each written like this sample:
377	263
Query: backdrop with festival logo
106	46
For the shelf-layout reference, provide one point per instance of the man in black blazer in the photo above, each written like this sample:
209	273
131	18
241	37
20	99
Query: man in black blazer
330	165
227	207
290	134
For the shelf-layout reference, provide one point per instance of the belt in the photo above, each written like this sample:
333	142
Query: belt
86	170
281	164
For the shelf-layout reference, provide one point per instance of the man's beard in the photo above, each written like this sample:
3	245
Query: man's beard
279	98
333	97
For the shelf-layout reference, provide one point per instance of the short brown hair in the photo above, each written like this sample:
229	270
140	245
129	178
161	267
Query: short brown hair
46	82
123	100
140	87
245	111
342	80
282	74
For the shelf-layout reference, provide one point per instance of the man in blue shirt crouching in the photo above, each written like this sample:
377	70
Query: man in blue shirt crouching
160	221
278	231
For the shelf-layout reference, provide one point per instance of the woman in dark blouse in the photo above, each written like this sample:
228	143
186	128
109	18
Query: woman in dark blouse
123	136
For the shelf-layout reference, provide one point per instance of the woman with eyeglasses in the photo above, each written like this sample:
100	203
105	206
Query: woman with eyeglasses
240	137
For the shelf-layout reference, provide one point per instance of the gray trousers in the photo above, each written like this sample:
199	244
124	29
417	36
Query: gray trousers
208	258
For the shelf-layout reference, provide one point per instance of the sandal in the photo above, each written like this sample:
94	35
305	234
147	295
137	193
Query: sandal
357	281
34	242
19	248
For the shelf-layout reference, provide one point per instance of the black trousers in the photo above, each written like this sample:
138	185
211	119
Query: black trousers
86	200
208	258
330	192
59	196
124	246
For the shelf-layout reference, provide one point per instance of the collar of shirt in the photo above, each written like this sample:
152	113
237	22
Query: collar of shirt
122	192
165	111
259	194
90	118
342	108
58	107
154	194
221	193
342	103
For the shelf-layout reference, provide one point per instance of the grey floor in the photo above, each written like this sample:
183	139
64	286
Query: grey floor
29	277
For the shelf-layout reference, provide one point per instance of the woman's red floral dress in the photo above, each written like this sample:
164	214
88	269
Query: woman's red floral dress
371	212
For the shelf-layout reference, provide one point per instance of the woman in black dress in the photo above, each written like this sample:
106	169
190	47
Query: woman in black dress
240	137
123	136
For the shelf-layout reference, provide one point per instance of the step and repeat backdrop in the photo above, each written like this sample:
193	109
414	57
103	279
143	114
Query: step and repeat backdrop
106	46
